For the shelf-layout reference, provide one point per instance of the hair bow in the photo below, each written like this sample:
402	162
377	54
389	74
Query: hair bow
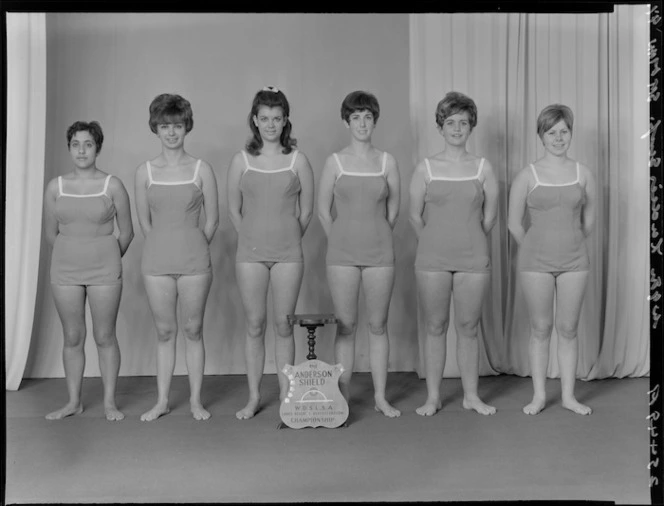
273	89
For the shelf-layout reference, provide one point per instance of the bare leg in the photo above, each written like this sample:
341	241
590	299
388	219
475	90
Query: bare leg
70	303
570	289
193	292
377	283
286	279
253	279
538	290
435	292
469	289
344	283
162	296
104	304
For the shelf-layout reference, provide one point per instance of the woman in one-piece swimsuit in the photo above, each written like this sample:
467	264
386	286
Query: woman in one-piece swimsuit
458	193
270	200
170	191
559	194
79	213
363	184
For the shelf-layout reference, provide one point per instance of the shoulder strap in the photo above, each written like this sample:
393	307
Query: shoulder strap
246	160
60	192
198	166
479	171
382	171
336	157
537	181
428	166
149	167
292	164
577	173
108	178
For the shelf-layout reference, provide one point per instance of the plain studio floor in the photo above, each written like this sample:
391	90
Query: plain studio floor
456	455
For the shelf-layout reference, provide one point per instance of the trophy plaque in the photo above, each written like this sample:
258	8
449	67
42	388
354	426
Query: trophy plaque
314	398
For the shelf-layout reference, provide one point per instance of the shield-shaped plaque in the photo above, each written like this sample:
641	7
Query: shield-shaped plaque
314	398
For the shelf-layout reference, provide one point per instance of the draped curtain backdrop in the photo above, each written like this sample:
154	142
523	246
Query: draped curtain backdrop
513	65
26	120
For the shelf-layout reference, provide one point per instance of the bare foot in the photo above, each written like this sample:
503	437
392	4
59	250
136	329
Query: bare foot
113	414
386	408
158	410
68	410
199	412
476	404
535	406
574	405
252	407
430	408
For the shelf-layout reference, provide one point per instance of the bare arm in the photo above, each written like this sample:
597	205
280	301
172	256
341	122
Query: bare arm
233	193
417	193
210	200
141	198
394	185
517	205
589	209
306	201
122	213
50	221
490	186
326	194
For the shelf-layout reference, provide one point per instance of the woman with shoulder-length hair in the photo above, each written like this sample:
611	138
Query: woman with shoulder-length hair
559	194
80	209
362	182
460	194
270	199
171	190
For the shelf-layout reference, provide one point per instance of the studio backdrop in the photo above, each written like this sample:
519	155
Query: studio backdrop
108	67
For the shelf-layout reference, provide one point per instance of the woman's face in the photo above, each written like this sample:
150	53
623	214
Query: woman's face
557	139
270	122
361	124
172	134
456	129
83	149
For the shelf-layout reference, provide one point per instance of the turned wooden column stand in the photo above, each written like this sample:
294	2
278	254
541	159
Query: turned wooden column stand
314	398
311	322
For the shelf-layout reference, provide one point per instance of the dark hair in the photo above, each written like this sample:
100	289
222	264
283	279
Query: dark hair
270	97
82	126
360	101
551	115
170	108
454	103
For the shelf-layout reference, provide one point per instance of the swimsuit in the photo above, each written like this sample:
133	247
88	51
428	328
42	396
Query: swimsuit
270	230
554	241
453	238
360	235
85	251
175	244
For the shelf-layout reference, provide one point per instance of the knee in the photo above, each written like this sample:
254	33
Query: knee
256	327
283	328
378	328
346	328
193	330
467	328
541	330
437	328
105	338
566	330
74	338
166	333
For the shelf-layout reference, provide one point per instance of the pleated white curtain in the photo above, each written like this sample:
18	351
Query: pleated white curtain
26	120
513	65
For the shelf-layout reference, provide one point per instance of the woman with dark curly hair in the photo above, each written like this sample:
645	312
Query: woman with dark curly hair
363	184
270	199
171	190
79	213
458	193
